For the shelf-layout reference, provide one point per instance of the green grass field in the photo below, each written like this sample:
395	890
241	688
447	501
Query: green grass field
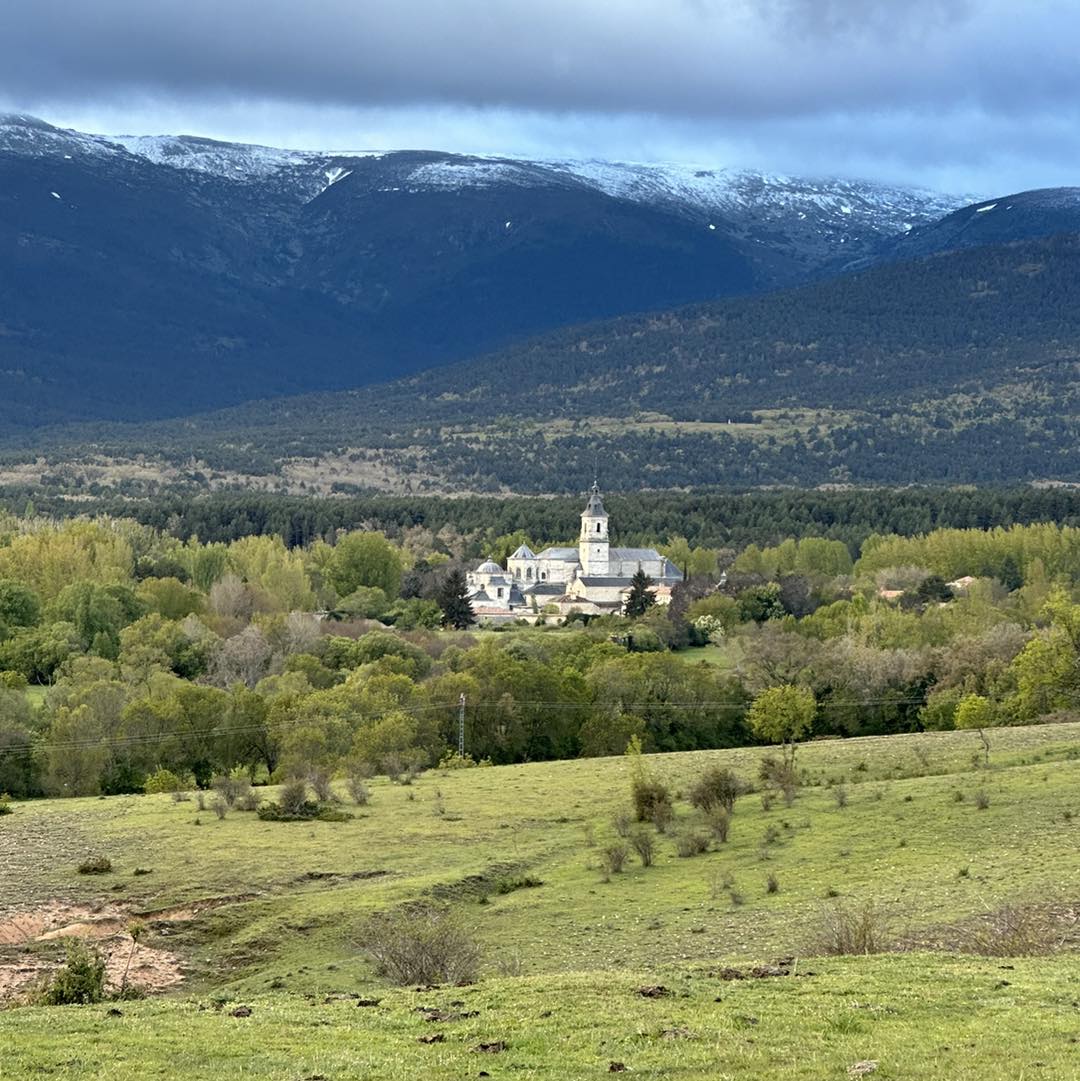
280	912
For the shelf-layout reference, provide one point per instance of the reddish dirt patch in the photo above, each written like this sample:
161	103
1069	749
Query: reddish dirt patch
106	924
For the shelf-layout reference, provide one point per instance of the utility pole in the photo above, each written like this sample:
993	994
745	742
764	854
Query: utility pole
461	727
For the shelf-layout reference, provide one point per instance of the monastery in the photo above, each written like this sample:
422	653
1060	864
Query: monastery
592	578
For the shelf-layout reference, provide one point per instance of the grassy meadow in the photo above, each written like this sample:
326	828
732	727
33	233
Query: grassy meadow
277	913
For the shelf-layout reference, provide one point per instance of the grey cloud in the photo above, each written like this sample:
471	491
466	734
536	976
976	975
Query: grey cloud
967	94
764	59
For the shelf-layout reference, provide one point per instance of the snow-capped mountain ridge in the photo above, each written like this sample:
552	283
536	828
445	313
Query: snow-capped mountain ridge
696	189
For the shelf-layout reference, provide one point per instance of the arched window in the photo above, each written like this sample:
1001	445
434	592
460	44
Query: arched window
528	574
543	574
597	527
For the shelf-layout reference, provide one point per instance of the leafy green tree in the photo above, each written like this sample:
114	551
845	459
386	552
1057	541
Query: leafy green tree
761	603
37	652
605	734
170	598
641	597
18	765
364	559
974	712
1047	669
98	613
453	599
19	606
783	715
1010	575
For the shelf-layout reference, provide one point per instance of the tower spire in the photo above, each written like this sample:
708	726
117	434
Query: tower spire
593	551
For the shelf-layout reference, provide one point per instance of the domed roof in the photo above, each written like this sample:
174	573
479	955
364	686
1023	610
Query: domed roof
489	568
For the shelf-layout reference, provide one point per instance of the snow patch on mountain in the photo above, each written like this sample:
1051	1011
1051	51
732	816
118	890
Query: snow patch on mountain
29	137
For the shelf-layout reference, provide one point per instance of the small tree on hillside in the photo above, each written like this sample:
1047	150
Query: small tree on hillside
973	711
783	715
641	596
453	599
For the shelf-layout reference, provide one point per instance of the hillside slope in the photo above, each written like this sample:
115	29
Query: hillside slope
958	368
581	968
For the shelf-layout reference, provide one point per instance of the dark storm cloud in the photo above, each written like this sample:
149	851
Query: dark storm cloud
695	58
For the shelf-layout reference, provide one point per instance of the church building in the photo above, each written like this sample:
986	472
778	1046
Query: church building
592	578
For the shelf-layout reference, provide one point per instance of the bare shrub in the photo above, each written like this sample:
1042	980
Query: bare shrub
249	801
230	789
422	944
644	845
219	807
982	799
293	796
852	929
621	823
840	795
320	782
717	787
719	820
772	883
1015	930
650	797
358	791
779	775
663	816
614	857
691	844
200	801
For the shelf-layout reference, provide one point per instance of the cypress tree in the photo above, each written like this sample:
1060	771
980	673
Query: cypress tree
641	597
453	599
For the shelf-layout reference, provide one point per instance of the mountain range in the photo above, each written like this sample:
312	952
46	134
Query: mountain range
144	277
795	331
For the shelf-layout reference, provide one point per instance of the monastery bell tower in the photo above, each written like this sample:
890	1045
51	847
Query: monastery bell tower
593	546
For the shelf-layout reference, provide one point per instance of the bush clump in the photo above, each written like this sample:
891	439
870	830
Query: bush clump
652	799
692	844
717	787
163	780
614	857
644	846
422	944
95	865
231	788
80	982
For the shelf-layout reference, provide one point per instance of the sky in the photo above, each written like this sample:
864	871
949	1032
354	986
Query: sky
967	96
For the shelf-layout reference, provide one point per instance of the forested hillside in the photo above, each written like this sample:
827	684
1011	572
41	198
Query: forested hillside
956	368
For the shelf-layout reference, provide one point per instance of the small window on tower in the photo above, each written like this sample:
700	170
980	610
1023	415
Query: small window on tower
597	527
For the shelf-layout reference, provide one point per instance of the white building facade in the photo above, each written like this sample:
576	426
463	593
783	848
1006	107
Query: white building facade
592	578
